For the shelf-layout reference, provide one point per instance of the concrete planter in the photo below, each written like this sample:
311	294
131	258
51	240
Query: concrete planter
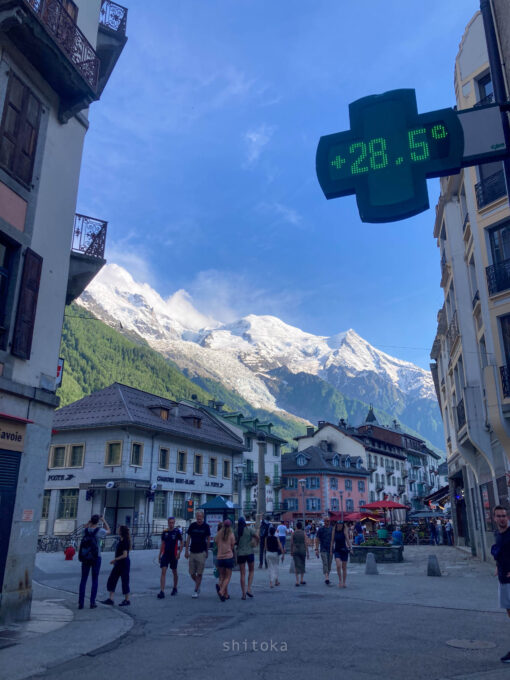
386	553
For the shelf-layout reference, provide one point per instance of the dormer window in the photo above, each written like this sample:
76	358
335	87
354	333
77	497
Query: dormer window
348	461
164	413
358	463
301	460
336	460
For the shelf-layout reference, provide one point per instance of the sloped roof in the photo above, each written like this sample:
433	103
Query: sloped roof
121	405
319	460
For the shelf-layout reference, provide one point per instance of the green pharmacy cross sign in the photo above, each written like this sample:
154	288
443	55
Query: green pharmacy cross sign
391	150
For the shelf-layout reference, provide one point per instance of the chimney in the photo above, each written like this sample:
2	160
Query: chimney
342	423
324	444
310	431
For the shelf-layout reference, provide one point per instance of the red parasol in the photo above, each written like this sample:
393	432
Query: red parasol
384	505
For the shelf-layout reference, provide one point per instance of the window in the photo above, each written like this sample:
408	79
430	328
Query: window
301	460
333	483
504	322
348	484
181	461
159	504
313	504
348	461
361	502
19	130
359	464
197	464
164	459
136	454
361	486
349	505
68	504
213	467
334	504
291	483
485	89
226	469
336	460
292	503
76	455
113	453
277	450
46	505
178	506
58	457
312	482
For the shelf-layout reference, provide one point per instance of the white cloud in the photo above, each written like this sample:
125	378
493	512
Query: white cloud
256	140
282	213
228	296
132	259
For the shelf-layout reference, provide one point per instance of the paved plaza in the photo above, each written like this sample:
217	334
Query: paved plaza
397	624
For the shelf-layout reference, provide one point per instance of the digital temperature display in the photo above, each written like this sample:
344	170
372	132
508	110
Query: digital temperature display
387	155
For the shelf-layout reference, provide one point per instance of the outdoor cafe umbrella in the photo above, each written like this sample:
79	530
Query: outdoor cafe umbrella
384	505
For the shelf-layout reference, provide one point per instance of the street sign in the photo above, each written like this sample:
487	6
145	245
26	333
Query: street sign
391	150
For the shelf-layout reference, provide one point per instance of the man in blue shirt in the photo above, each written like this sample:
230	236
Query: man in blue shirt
397	537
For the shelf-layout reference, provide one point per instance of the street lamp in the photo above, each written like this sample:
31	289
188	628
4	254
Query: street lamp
261	482
342	504
238	476
302	484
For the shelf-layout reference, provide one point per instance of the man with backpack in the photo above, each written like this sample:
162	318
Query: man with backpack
89	555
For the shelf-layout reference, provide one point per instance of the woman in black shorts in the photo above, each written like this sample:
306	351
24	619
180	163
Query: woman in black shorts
340	546
121	568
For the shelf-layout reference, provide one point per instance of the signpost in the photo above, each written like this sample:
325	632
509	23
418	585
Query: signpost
391	150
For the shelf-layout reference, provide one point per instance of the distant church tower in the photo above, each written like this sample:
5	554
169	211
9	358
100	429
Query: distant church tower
371	418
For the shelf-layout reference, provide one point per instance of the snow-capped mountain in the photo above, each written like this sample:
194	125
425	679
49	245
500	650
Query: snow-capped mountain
250	354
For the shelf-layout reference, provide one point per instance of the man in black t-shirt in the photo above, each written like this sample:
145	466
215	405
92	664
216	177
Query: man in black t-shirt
169	553
501	553
197	548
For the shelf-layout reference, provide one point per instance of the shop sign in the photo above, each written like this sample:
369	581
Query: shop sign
174	480
217	485
60	478
12	435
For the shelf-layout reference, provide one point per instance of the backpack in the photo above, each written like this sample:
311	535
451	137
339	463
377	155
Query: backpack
89	548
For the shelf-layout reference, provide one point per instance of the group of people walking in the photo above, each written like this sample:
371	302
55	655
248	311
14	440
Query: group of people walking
234	545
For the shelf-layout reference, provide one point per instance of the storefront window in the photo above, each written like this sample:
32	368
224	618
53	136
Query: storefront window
160	504
68	504
46	505
178	504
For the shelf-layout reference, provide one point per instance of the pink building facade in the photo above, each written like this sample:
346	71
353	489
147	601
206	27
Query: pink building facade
318	480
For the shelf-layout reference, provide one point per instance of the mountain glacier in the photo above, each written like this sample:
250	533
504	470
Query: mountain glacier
253	354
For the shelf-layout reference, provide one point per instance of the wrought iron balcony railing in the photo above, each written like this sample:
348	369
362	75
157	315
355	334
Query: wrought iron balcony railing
498	277
89	236
278	482
488	99
453	330
113	17
461	414
505	380
490	189
62	27
250	506
445	270
250	478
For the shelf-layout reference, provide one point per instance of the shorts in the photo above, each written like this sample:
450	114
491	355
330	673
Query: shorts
225	564
504	595
197	563
243	559
342	555
282	540
168	561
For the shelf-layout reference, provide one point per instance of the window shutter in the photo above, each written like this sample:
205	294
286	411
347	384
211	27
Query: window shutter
27	305
19	130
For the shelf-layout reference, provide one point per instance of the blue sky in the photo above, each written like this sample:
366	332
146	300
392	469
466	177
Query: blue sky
201	156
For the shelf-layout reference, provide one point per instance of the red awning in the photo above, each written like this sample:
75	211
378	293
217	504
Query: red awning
16	419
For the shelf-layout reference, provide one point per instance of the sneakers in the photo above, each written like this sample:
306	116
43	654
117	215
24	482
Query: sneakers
125	603
108	601
327	581
195	594
161	595
506	658
174	591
